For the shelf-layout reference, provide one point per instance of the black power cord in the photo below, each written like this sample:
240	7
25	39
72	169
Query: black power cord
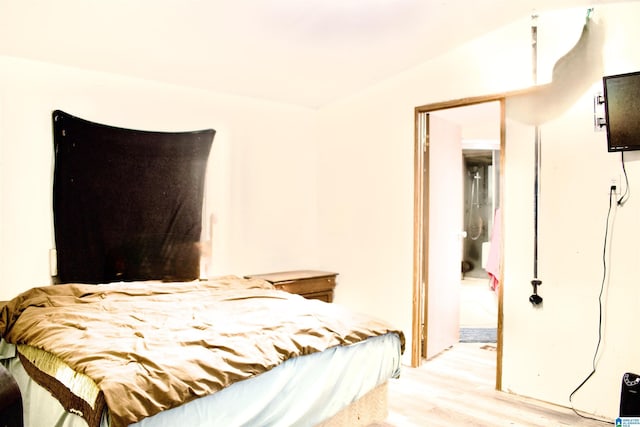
623	199
604	279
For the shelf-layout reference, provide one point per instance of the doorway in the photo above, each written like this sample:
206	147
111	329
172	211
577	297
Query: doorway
481	171
425	194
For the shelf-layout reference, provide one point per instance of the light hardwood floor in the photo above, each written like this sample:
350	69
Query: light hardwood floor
457	388
478	304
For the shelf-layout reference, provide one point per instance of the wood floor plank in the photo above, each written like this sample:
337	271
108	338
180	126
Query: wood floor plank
457	388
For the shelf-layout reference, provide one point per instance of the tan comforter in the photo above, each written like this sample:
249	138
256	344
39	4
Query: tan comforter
153	346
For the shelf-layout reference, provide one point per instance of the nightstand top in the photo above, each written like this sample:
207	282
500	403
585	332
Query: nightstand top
285	276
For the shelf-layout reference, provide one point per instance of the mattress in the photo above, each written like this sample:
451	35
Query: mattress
303	391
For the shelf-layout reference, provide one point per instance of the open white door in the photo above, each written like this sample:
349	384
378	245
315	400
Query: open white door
445	207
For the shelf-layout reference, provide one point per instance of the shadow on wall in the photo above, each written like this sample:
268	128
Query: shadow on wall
573	74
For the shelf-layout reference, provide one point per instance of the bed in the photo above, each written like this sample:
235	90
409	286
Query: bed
229	351
128	333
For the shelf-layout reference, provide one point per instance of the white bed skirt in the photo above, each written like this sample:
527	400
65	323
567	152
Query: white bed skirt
303	391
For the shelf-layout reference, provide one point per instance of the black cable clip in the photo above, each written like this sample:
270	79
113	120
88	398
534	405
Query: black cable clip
535	299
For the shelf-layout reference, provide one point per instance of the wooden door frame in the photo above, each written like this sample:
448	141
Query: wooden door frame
421	221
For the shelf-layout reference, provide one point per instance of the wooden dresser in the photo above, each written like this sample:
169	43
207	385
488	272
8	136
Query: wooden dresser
308	283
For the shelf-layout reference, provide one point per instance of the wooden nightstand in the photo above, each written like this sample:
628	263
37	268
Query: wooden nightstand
308	283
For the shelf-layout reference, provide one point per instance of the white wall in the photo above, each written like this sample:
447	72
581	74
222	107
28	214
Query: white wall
367	142
261	175
549	351
366	209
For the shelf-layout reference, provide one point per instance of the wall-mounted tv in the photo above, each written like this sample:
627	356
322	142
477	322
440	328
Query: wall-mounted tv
622	111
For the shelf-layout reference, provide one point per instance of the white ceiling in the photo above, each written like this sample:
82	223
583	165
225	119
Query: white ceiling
305	52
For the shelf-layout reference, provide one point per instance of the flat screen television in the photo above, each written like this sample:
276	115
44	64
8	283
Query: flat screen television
622	111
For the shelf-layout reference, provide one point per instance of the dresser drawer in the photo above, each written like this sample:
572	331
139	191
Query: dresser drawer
308	283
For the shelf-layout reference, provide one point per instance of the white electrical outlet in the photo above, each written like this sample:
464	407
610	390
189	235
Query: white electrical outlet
53	262
614	182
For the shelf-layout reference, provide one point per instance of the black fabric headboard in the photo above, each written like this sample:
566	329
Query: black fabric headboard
127	204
